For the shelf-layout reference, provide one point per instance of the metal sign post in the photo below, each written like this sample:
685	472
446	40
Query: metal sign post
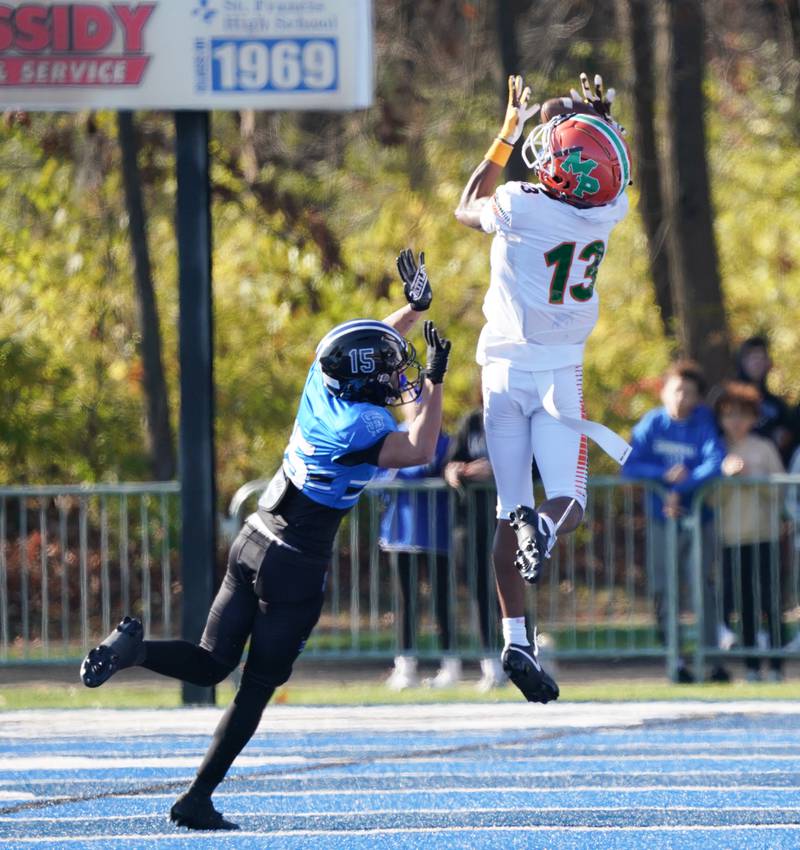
198	489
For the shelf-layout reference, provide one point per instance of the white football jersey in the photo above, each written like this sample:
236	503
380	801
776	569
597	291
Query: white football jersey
542	303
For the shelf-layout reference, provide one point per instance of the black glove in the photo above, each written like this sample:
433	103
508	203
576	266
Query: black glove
416	286
438	353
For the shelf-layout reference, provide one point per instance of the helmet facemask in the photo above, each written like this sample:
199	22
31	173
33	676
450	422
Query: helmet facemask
405	389
536	149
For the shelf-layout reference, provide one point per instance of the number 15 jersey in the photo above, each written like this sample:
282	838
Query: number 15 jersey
542	303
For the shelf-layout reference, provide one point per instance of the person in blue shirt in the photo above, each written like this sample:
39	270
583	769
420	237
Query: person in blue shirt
273	590
416	534
678	446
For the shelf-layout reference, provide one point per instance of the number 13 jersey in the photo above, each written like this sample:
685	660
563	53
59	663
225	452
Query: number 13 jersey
542	305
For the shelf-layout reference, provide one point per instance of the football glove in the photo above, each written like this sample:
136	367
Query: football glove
517	111
416	286
438	353
597	98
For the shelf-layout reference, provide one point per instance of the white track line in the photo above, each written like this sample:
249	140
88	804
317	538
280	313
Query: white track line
337	833
58	762
339	751
410	774
500	789
23	763
413	811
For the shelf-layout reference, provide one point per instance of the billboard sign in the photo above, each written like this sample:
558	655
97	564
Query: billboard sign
186	54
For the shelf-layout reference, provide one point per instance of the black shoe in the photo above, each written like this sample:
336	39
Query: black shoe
534	542
719	675
119	650
196	811
522	667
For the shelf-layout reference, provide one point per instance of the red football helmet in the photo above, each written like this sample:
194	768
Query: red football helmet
581	159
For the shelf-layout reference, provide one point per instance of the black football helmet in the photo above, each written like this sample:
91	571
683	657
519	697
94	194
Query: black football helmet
366	360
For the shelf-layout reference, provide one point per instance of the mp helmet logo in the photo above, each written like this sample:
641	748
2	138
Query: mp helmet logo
582	169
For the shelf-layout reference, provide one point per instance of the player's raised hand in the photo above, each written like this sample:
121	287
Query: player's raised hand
416	286
438	353
599	99
518	111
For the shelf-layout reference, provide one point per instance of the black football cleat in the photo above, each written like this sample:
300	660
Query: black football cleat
196	811
119	650
523	668
534	542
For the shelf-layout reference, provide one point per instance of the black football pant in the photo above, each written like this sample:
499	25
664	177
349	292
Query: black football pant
277	621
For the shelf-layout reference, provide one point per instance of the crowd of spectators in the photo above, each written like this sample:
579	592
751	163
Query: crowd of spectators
740	429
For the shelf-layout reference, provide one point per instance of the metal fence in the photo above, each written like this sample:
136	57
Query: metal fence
73	560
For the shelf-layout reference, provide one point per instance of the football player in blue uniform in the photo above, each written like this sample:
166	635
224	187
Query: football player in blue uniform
273	590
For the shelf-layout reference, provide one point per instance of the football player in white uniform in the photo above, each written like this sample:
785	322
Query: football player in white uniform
549	240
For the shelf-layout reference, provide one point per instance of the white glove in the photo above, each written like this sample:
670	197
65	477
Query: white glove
598	99
517	111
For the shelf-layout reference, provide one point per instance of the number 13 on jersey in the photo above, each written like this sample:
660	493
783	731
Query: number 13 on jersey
561	257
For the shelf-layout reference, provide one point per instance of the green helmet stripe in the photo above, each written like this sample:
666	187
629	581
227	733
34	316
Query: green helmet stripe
612	136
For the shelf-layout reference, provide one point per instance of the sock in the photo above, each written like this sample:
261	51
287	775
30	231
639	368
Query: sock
514	631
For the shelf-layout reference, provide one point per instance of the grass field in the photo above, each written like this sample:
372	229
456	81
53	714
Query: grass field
58	695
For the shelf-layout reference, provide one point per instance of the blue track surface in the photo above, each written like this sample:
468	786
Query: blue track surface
704	781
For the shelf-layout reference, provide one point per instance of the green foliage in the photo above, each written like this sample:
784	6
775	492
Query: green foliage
72	404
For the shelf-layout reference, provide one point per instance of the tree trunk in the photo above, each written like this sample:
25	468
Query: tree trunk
637	29
162	450
702	327
508	13
793	8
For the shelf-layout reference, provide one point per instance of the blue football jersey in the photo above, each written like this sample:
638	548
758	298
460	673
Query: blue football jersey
325	430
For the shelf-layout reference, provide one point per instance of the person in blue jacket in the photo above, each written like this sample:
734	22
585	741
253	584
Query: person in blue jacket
414	538
678	446
273	590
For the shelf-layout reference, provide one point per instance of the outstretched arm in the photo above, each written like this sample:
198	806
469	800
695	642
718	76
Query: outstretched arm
480	187
416	288
417	446
483	181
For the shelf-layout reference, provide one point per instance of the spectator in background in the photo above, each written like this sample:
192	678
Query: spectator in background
774	420
749	534
678	446
792	506
468	463
406	534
